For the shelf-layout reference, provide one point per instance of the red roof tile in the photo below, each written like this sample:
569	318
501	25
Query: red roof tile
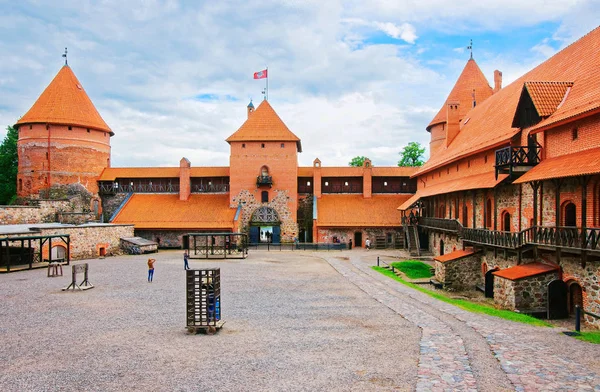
198	212
478	181
264	125
546	96
577	164
525	271
65	102
355	210
490	123
455	255
471	78
112	173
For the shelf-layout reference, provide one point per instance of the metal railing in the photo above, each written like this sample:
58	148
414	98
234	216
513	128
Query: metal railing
296	246
264	180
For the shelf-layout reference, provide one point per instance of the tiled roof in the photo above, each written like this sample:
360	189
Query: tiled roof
546	96
455	255
490	123
525	271
477	181
354	210
198	212
577	164
264	125
65	102
112	173
305	171
471	78
394	171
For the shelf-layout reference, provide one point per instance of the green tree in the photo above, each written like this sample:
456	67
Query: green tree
357	161
8	166
412	155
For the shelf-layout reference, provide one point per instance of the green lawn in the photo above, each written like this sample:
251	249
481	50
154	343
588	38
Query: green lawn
467	305
592	337
413	269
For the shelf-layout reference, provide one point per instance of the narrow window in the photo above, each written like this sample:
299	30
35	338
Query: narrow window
71	128
30	127
20	185
88	130
574	133
469	163
243	145
262	145
485	159
282	145
265	196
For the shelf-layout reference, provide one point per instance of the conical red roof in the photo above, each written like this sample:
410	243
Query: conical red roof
470	79
65	102
264	125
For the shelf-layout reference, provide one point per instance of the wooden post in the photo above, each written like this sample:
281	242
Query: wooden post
495	208
557	183
535	185
584	183
474	209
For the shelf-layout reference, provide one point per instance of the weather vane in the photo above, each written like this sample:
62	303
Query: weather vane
470	47
65	56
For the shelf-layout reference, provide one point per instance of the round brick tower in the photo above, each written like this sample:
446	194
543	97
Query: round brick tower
62	139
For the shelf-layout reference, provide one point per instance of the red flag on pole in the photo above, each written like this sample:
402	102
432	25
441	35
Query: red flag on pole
260	74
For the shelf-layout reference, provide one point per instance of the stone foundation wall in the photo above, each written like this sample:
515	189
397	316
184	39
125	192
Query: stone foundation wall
451	242
133	249
461	274
110	203
589	280
165	238
345	234
44	211
281	203
528	294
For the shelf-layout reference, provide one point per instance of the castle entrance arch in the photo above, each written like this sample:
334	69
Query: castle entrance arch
265	226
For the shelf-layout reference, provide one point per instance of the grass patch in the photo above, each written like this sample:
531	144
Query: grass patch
414	269
468	305
591	337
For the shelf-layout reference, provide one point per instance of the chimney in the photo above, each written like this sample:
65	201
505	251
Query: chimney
250	108
317	178
497	81
367	179
452	121
184	179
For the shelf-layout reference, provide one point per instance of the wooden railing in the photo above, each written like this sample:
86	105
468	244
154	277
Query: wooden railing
501	239
518	156
564	237
451	225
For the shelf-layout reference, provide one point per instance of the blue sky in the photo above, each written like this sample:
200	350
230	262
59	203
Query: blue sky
173	78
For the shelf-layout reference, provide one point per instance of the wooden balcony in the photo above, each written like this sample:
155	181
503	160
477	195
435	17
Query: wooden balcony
264	180
517	159
499	239
564	237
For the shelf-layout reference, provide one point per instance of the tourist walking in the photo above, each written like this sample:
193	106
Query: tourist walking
368	243
151	269
185	260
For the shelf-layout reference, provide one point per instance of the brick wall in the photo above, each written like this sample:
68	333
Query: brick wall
57	155
559	141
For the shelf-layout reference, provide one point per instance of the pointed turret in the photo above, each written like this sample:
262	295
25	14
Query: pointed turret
264	125
65	102
62	139
470	89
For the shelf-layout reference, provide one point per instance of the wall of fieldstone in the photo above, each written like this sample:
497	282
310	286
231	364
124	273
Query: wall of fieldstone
44	211
588	278
280	203
110	203
460	274
345	234
527	294
450	242
135	249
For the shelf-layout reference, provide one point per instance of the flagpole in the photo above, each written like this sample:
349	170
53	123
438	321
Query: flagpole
267	89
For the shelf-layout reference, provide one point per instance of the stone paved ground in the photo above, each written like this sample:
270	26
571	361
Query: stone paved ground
293	323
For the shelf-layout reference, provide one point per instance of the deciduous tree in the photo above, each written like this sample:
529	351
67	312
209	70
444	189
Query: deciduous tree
8	166
412	155
357	161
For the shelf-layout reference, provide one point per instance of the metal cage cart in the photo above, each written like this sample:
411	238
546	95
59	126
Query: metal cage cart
203	289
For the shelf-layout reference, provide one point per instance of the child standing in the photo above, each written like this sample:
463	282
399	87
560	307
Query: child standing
151	269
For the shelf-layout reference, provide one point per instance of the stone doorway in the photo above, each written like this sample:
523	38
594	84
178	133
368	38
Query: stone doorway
575	297
489	283
265	226
557	300
358	239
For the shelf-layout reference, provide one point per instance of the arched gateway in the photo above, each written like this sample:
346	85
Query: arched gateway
265	226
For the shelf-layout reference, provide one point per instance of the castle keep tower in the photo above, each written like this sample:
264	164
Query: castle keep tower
264	175
62	139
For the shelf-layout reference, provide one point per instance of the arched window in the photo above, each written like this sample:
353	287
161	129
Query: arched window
569	214
488	213
441	247
59	252
505	221
264	171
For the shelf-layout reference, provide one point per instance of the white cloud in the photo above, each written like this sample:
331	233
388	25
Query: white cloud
405	31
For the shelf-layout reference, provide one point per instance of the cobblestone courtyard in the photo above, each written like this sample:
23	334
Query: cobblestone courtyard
296	321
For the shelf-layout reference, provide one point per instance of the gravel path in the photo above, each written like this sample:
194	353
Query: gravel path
292	323
295	321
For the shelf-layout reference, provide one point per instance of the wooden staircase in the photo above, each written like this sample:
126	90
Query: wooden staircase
412	238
